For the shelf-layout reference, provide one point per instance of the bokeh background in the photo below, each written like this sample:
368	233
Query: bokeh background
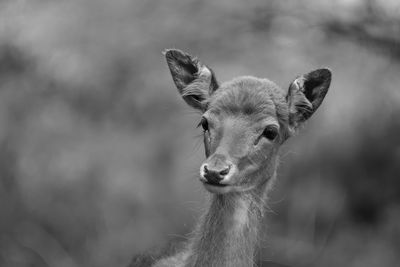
99	156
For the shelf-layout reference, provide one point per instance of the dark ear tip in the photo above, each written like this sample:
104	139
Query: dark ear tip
170	51
174	54
323	74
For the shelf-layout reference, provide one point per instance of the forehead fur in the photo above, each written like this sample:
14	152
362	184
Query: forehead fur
250	96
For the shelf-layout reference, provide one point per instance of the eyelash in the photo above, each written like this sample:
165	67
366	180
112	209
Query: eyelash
204	124
270	132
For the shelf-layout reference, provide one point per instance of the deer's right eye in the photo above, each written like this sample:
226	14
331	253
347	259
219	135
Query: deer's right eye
270	132
204	124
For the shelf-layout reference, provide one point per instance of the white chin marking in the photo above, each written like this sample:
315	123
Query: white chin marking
217	189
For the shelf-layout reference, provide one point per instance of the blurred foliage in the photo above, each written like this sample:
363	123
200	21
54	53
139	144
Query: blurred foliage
99	156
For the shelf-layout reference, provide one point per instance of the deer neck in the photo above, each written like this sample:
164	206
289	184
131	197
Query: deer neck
227	233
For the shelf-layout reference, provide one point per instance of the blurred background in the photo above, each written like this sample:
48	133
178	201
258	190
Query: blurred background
99	156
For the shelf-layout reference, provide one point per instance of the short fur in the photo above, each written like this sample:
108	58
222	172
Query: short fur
237	113
251	96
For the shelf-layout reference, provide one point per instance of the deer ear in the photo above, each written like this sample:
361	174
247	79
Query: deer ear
305	95
195	81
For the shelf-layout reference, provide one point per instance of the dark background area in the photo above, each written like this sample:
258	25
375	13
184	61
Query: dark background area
99	156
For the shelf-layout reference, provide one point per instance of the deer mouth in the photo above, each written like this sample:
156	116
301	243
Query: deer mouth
217	188
215	184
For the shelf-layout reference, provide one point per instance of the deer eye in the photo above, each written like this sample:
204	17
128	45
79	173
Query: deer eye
204	124
270	132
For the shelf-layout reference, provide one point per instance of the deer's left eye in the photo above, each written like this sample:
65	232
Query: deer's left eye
204	124
270	132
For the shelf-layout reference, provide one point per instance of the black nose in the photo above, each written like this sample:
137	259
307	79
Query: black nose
214	176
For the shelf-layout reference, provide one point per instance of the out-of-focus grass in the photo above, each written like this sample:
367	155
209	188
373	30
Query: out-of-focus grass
99	156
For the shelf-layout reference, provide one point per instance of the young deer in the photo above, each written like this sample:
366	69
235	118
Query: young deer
244	122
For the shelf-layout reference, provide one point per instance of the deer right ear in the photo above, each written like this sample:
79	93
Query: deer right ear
195	81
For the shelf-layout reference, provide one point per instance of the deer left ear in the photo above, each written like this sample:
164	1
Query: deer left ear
305	95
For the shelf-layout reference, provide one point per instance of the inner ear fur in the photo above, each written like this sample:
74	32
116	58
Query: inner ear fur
306	94
195	81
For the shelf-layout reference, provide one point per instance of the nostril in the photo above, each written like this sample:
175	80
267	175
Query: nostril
205	169
225	171
213	175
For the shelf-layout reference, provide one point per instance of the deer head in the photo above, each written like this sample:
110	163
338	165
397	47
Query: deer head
244	120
